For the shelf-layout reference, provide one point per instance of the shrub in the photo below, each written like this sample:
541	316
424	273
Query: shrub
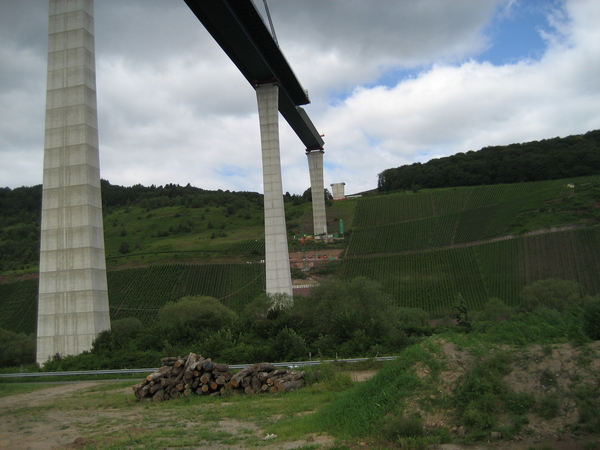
127	327
198	312
547	407
552	293
478	391
16	349
403	426
495	310
591	319
339	309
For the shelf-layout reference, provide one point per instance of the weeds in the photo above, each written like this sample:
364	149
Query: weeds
359	411
587	399
404	427
518	403
548	378
547	407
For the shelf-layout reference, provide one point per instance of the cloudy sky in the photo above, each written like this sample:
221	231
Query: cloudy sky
391	83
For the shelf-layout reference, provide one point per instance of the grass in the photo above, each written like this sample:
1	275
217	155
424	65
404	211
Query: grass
65	378
14	389
361	411
120	422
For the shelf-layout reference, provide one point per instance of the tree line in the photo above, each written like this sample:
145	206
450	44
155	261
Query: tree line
549	159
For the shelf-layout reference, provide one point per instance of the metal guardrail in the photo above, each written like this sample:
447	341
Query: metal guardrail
291	365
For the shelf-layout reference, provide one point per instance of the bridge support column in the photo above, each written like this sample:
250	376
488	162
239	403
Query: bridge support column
317	188
277	259
73	298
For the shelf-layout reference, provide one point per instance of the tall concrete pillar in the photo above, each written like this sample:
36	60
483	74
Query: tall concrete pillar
317	189
277	259
73	299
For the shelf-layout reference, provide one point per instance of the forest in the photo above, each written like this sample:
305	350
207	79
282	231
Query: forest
549	159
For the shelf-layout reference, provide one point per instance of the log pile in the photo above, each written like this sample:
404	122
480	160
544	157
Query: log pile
194	374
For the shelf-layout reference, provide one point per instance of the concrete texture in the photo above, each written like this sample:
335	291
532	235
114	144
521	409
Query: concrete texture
73	299
278	277
317	189
337	191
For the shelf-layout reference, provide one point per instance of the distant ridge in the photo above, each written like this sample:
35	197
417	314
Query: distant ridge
549	159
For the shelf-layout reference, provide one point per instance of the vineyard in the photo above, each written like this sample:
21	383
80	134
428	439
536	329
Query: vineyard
432	279
141	292
18	301
440	218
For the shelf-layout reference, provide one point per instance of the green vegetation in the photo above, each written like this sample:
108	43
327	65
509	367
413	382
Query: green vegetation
407	242
395	407
338	319
431	279
423	269
548	159
143	224
491	266
204	313
441	217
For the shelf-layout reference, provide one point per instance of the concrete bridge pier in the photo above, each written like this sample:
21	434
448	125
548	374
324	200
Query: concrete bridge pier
317	188
73	298
277	260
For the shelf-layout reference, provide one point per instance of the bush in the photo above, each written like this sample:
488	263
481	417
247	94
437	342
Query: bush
552	293
128	327
198	312
340	308
495	310
16	349
403	426
591	318
478	391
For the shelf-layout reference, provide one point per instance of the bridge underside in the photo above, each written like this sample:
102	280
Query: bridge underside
240	31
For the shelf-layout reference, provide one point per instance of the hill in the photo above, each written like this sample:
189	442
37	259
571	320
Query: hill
143	224
549	159
483	242
424	248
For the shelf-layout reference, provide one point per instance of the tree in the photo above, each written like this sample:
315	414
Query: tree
127	327
124	248
338	308
198	312
461	313
307	195
495	310
552	293
16	349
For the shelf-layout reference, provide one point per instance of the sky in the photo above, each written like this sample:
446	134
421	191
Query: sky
390	82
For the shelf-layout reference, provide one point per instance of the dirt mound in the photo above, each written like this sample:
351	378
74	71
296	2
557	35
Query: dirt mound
561	372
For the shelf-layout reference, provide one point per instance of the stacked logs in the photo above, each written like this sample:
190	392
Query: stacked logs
194	374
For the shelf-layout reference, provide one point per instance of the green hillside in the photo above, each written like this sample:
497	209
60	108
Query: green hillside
482	242
424	248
